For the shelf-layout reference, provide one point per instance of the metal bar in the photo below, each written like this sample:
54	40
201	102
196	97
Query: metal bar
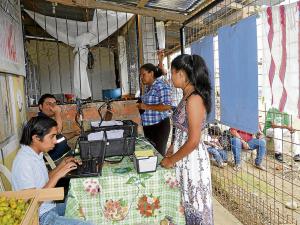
90	73
99	55
79	58
118	76
182	39
58	56
70	69
49	73
37	58
139	48
108	39
127	55
155	35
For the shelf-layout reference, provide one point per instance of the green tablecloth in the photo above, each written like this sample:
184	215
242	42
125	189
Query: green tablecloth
126	197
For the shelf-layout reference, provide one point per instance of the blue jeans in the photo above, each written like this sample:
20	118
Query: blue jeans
56	217
259	144
219	155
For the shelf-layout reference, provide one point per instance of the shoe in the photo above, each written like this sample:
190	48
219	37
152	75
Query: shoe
222	165
278	157
260	167
297	158
237	167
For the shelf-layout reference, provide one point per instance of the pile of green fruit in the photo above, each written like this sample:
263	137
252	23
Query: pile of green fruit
12	210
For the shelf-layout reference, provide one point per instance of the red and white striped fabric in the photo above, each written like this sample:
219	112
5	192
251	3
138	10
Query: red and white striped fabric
280	57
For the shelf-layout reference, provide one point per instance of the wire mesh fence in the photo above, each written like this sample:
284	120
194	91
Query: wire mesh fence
267	195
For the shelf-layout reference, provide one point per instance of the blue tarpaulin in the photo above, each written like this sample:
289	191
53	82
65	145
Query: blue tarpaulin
205	49
239	75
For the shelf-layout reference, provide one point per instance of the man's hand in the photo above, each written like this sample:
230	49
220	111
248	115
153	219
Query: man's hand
245	145
160	55
259	135
56	109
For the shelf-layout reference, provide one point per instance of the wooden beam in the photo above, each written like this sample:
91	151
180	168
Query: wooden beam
142	3
159	14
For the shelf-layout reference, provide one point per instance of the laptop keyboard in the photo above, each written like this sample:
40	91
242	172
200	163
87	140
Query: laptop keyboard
88	166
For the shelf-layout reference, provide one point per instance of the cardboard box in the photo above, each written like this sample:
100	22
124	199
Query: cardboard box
145	164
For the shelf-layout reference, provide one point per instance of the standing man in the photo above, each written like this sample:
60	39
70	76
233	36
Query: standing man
278	125
49	108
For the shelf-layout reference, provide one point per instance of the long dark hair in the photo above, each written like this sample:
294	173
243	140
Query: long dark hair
39	125
197	73
149	67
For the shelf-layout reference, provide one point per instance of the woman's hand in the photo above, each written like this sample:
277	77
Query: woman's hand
167	163
69	159
142	106
170	151
65	169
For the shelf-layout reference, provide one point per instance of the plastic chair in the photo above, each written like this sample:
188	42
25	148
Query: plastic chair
7	175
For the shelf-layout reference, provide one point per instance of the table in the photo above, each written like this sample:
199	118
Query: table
122	196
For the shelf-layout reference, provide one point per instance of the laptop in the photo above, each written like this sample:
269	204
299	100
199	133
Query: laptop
88	168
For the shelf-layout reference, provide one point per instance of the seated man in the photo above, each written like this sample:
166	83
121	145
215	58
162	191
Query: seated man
29	169
214	147
243	140
277	125
49	108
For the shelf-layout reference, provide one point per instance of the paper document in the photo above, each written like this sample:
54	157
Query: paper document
112	134
106	123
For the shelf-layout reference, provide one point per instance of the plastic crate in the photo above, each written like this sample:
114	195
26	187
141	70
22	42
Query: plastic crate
112	147
35	197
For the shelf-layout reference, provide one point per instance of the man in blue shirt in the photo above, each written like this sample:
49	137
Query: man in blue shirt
49	108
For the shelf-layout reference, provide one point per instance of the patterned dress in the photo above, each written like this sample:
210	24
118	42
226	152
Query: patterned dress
193	174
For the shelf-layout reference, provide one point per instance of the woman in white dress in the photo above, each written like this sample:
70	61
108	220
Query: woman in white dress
188	153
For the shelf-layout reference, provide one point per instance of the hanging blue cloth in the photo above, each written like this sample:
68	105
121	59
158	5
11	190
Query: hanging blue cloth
205	48
239	75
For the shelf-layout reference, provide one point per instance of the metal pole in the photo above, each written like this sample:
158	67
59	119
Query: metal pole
182	39
69	55
58	56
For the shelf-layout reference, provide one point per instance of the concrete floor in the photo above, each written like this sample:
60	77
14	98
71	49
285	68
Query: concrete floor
222	216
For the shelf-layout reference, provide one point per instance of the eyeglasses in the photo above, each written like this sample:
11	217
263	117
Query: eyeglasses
50	103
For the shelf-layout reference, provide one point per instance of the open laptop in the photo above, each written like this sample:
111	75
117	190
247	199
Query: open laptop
88	168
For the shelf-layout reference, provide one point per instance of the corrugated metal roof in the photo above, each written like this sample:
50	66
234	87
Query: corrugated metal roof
174	5
183	6
124	2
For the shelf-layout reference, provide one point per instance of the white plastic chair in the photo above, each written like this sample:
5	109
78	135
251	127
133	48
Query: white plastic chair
7	175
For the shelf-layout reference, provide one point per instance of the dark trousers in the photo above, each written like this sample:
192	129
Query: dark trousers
158	134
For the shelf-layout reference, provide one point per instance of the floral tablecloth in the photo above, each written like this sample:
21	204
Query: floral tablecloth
122	196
